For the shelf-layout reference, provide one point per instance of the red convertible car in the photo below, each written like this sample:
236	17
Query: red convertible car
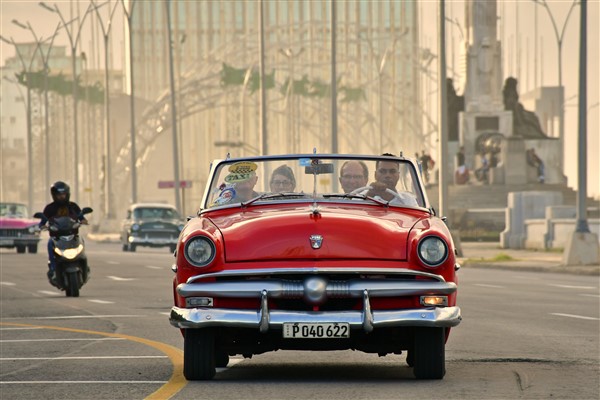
16	229
315	252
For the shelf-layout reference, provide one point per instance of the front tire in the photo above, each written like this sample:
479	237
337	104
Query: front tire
73	288
429	357
199	354
32	248
20	249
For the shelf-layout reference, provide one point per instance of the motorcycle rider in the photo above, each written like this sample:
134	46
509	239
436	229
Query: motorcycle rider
61	206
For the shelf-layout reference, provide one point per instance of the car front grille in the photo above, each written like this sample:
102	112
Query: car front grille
14	233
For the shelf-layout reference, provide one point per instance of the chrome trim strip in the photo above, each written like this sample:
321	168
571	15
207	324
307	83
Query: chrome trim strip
232	318
315	270
335	289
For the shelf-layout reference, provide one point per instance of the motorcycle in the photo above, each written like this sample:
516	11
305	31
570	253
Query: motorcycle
72	270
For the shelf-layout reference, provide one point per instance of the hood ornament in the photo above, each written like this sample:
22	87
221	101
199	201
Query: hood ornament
316	241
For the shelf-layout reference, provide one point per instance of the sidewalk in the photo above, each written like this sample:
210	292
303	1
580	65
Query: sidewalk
490	255
478	255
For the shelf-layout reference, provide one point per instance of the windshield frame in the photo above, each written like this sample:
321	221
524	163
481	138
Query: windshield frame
307	196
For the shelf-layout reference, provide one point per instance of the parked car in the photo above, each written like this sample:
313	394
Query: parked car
151	225
16	229
313	267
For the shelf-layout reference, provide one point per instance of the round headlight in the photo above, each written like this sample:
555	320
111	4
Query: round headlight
432	251
200	251
135	227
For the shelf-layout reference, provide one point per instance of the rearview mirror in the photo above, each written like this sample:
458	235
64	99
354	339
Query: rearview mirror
319	169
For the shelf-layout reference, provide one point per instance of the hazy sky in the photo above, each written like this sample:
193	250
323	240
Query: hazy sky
44	23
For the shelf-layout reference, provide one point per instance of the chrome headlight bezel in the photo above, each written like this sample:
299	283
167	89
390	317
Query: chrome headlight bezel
202	241
432	242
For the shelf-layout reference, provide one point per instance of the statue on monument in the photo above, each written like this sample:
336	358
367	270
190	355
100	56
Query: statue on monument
525	123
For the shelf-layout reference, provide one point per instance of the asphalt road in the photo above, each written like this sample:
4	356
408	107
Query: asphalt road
524	335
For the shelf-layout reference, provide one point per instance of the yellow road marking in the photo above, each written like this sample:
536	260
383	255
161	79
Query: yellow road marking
166	391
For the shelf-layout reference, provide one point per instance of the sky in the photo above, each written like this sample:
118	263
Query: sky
515	33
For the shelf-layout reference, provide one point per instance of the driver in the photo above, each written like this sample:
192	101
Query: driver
60	207
387	174
353	175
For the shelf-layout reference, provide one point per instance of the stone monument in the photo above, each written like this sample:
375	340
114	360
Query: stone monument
484	115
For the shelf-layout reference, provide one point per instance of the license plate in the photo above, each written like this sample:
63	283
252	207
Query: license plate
316	330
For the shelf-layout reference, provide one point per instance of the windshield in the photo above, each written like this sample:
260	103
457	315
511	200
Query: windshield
385	180
155	213
13	210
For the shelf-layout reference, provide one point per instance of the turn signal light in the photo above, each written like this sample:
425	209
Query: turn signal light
434	301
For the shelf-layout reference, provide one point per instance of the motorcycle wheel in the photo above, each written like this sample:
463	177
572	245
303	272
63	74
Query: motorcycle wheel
73	287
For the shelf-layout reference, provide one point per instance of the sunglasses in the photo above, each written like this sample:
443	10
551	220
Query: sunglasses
352	177
390	171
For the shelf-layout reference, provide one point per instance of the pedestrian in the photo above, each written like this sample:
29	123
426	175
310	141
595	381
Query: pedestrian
427	164
481	173
535	161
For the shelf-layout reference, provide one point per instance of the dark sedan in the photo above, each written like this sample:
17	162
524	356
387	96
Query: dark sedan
151	225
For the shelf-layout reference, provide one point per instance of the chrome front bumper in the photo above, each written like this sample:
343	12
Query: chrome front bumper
152	241
264	319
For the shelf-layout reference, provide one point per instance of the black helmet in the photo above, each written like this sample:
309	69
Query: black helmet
60	187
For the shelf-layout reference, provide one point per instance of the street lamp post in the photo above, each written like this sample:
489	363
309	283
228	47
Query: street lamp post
73	42
290	55
261	67
559	42
26	71
173	109
129	18
582	247
107	142
45	58
334	118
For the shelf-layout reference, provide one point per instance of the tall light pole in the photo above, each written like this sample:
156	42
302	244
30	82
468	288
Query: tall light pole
26	71
173	109
74	36
582	248
443	110
559	41
290	55
45	58
129	18
334	121
263	92
107	143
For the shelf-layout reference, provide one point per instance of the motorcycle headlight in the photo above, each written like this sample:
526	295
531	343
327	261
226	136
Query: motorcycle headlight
69	254
200	251
432	251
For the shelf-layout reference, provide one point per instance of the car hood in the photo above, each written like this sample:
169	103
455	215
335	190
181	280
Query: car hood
17	223
267	233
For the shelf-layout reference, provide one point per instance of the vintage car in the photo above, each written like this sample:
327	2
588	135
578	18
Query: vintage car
151	225
16	229
309	252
